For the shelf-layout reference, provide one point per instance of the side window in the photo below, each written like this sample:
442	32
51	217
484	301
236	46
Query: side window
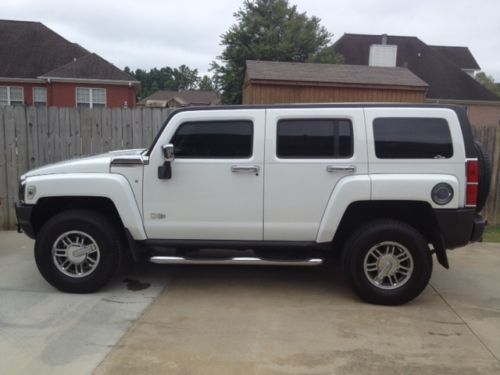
314	139
214	140
412	138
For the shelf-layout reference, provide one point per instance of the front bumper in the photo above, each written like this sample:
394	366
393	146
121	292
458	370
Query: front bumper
23	214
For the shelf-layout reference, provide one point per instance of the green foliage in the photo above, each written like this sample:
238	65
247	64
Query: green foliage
492	233
488	82
167	78
206	84
326	56
268	30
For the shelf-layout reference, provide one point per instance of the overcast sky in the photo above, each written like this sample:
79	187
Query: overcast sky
155	33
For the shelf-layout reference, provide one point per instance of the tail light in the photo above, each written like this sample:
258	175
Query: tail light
472	170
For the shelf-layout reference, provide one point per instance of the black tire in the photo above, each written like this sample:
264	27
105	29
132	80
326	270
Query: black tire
379	232
96	227
484	175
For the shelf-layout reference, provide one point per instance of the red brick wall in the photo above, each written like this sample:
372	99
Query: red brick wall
64	94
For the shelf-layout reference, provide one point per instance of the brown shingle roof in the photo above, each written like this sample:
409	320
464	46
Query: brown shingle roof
30	50
446	80
91	66
191	97
331	73
461	56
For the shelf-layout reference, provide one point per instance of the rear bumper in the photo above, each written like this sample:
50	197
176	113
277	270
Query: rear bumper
23	214
459	227
478	228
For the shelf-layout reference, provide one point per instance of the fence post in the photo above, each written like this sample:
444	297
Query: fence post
4	212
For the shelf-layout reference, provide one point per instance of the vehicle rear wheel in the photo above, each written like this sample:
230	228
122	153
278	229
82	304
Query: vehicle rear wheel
387	262
78	251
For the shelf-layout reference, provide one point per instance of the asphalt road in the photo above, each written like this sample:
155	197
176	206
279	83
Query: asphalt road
228	320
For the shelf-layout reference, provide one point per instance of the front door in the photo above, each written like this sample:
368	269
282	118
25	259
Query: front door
216	188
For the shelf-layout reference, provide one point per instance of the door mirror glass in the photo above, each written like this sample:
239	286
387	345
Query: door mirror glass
168	152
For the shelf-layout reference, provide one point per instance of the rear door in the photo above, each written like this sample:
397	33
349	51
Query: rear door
308	150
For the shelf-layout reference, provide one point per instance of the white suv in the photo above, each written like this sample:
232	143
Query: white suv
379	187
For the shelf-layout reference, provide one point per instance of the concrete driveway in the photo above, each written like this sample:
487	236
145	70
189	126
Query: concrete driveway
222	320
43	331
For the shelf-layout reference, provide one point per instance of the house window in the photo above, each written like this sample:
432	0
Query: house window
87	97
11	95
39	96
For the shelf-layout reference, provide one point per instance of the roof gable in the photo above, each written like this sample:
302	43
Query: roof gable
187	97
91	66
29	49
446	80
331	73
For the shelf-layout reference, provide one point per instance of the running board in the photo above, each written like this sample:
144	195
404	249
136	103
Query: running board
251	261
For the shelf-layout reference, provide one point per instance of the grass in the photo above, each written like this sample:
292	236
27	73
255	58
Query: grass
492	233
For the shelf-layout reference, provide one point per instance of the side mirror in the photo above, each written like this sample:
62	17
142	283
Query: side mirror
165	171
168	152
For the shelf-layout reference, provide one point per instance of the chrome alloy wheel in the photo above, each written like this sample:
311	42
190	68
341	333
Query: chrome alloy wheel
388	265
75	254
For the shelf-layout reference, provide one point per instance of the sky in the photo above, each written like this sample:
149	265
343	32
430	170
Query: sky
156	33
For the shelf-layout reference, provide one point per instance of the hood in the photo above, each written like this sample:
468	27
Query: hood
91	164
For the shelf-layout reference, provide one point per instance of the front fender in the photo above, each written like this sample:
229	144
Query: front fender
112	186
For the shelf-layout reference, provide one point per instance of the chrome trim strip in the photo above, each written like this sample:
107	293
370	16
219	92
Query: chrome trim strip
235	261
127	161
341	168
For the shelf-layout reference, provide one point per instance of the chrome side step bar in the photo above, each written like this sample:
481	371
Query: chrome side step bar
252	261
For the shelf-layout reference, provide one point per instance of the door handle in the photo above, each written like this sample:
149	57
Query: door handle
340	168
245	168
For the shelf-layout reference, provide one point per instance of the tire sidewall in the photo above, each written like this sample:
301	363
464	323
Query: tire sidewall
96	227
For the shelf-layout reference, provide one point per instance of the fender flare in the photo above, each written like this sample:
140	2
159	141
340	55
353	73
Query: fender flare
115	187
348	190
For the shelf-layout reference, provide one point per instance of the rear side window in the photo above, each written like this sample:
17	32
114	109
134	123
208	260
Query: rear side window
314	139
214	139
412	138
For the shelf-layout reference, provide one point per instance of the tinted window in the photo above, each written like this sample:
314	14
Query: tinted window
412	138
314	139
214	139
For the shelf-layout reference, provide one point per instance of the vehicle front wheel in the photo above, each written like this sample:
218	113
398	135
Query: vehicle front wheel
78	251
387	262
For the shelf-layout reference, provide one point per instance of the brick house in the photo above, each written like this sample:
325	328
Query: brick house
447	70
39	67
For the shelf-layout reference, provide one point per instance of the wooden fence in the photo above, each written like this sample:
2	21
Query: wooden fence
31	137
489	136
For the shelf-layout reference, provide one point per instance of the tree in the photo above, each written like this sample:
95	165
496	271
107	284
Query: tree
268	30
166	78
206	84
488	82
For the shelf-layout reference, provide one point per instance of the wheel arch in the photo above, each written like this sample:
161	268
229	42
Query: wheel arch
417	214
48	207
